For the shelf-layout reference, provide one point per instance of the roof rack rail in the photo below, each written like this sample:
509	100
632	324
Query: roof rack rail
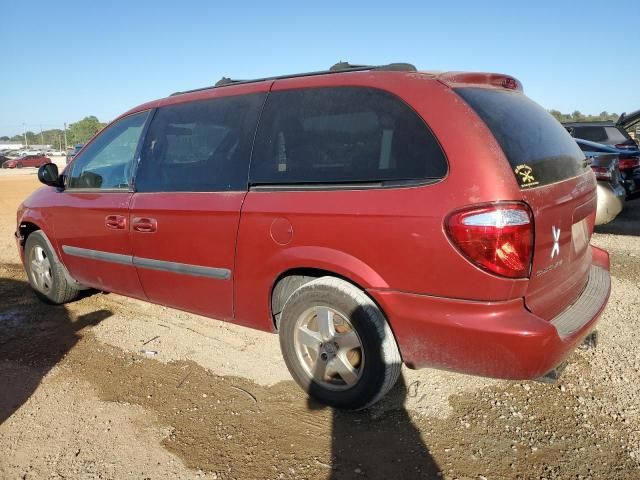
340	67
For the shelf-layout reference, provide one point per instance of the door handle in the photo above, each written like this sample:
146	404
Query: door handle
144	224
115	222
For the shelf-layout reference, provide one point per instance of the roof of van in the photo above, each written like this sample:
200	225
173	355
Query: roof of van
340	67
451	79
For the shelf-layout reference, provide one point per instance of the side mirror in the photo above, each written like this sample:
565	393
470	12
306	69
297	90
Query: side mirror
48	174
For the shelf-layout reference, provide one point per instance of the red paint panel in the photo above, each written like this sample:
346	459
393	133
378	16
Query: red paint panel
80	220
190	228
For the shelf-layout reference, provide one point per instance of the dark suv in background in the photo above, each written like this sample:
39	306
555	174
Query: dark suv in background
607	132
629	161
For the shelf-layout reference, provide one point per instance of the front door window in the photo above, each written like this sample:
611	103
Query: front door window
107	162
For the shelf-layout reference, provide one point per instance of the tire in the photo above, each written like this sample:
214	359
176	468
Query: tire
19	165
45	272
326	362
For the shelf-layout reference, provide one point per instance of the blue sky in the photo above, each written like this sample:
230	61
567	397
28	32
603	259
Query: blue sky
64	60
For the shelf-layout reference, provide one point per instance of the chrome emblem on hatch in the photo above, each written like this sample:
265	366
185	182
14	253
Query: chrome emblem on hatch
556	241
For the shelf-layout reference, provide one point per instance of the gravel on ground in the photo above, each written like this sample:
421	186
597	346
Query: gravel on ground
110	387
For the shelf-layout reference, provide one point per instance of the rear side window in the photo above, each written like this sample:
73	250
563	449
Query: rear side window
616	136
593	134
343	135
200	146
538	148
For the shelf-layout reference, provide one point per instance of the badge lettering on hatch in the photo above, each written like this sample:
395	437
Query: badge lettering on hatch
556	241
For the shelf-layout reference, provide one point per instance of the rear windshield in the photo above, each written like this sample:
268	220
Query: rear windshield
538	148
593	134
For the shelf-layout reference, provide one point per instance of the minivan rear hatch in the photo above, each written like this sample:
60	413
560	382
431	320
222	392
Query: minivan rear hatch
557	184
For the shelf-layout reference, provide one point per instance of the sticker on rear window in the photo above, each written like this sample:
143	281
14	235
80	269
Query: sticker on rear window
525	172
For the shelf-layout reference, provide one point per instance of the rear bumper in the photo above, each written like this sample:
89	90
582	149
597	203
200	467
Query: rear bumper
493	339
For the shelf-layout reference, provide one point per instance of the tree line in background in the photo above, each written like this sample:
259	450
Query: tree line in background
580	117
78	132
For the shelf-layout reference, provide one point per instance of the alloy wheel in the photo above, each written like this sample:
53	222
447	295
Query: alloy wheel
329	348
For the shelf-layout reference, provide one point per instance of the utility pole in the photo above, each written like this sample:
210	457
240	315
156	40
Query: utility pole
65	136
41	136
24	133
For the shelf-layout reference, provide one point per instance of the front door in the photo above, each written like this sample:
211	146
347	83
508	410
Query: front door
190	185
91	216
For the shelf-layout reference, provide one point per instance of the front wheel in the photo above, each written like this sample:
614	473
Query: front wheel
337	344
19	165
45	272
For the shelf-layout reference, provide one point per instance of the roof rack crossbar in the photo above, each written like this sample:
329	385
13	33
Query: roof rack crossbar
340	67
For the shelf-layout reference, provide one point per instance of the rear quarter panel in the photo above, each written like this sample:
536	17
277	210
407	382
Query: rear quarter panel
389	238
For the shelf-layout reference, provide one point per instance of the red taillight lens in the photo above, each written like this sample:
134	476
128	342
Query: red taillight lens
602	173
497	238
626	163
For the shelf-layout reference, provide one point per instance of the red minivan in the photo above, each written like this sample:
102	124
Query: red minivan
372	216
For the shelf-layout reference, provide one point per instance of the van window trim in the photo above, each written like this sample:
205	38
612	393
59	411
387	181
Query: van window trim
329	186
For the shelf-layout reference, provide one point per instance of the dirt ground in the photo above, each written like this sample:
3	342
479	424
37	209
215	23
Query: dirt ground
109	387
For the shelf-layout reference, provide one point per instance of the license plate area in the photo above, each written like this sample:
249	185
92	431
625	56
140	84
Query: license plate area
580	237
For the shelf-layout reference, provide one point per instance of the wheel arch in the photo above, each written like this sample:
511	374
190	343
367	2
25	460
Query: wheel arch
25	228
302	264
290	280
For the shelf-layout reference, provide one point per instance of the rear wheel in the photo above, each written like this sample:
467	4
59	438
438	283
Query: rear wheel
45	272
338	345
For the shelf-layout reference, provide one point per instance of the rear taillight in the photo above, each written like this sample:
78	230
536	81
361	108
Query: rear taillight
602	173
496	237
626	163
